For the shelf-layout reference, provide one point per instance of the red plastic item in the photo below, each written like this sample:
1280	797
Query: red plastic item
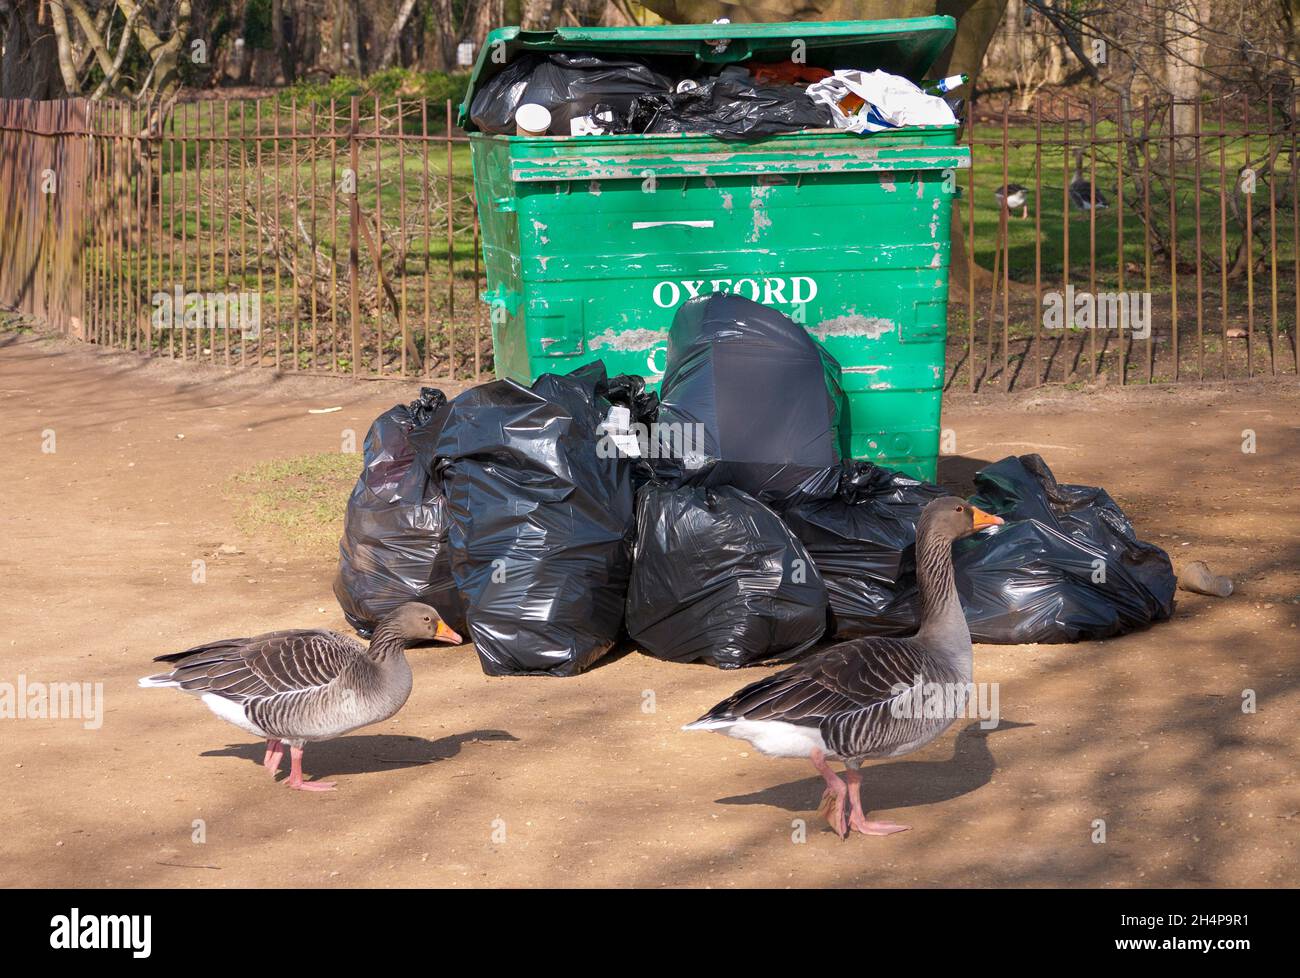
787	73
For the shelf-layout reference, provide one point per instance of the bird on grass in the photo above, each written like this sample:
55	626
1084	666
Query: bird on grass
1012	197
1082	193
860	699
304	685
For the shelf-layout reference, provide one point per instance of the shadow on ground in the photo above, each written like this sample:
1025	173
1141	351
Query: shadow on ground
365	753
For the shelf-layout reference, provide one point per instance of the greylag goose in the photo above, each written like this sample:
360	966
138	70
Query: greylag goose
294	686
1081	192
1014	197
858	700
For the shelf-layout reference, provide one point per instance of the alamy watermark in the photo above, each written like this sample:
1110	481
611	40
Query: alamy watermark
26	700
1100	310
77	931
216	311
924	700
667	440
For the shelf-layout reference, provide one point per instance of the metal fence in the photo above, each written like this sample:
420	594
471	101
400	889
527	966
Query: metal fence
341	237
43	157
1154	242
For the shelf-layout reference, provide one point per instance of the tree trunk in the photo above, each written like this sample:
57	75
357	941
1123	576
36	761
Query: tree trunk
1183	49
30	66
486	16
280	11
540	14
395	34
63	45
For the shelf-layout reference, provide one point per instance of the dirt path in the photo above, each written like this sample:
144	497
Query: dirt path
518	782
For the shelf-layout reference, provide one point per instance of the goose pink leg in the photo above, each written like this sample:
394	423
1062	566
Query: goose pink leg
274	754
295	774
832	806
858	820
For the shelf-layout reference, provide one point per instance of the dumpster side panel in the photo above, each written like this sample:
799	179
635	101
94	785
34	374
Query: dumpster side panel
498	204
858	255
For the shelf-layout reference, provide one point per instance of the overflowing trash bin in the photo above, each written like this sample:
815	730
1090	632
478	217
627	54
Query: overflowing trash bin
662	163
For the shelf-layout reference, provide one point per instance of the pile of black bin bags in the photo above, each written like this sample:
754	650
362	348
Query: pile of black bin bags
725	530
1065	567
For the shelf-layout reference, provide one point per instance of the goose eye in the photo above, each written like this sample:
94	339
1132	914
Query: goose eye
427	618
961	509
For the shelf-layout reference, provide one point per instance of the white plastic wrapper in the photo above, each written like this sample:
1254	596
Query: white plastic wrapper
891	101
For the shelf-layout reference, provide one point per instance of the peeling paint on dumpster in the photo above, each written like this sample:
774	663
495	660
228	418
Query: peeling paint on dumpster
853	325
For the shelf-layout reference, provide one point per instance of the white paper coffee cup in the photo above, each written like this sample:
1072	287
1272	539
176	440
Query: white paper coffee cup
532	120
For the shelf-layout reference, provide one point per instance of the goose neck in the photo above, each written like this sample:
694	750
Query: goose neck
386	642
942	619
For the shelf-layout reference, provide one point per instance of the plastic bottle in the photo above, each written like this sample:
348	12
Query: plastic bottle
945	85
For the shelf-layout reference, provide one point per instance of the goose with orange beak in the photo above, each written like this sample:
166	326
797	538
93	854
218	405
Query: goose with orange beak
296	686
862	700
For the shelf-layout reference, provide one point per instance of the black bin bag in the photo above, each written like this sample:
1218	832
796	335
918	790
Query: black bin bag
1066	567
567	85
858	522
716	576
541	522
394	545
730	106
748	399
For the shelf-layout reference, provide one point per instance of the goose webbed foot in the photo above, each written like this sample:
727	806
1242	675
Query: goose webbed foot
832	807
858	819
274	754
295	774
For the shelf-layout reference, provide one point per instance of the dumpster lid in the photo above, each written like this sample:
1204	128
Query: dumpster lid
904	46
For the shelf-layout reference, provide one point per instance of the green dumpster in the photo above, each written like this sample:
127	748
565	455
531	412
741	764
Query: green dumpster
590	243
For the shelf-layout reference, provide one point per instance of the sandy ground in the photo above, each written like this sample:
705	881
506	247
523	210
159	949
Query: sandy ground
484	781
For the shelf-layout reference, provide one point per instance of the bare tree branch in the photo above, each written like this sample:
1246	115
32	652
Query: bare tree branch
125	42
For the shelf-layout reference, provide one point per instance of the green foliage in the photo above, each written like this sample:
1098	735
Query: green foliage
257	24
388	86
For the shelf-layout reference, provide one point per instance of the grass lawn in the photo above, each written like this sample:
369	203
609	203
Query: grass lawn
297	501
1053	163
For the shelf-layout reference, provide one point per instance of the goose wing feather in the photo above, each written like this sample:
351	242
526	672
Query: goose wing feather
847	678
263	665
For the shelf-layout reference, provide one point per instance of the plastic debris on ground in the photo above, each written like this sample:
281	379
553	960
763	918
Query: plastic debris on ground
542	519
718	577
525	529
394	547
730	106
869	101
748	398
573	87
